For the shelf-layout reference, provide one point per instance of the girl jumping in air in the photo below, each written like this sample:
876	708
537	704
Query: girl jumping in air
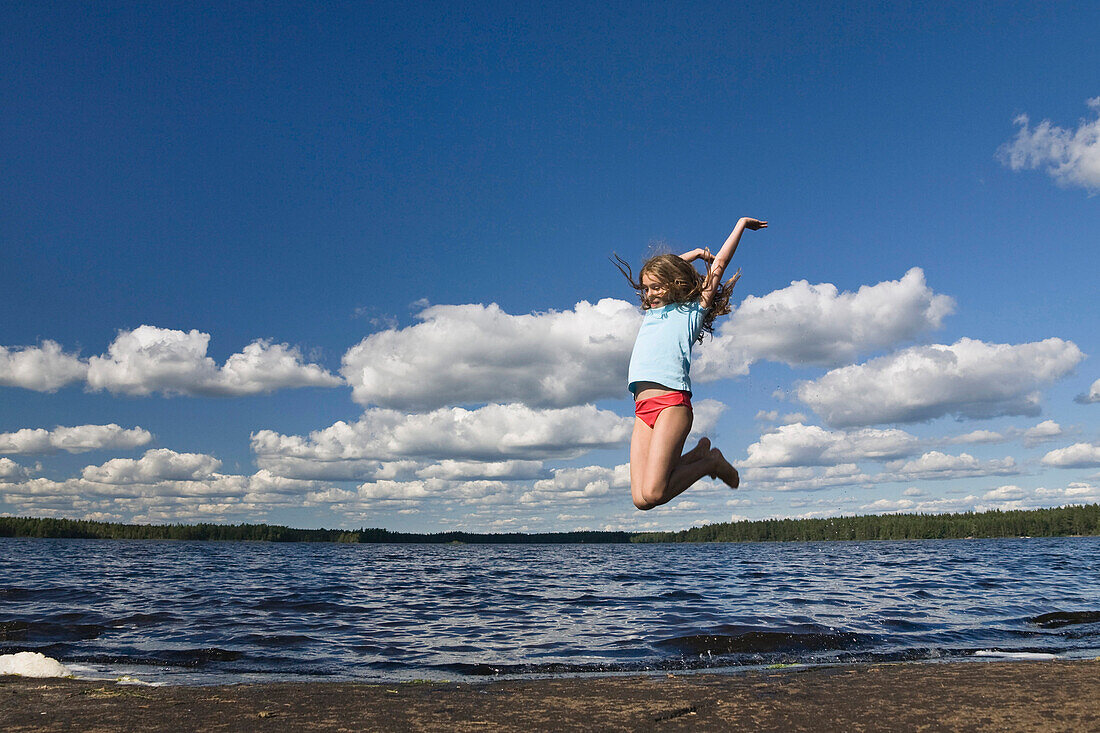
680	306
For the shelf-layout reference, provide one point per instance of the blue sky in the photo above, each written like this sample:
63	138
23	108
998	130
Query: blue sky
347	265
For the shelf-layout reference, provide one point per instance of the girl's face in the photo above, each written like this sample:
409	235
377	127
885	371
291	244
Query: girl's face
654	292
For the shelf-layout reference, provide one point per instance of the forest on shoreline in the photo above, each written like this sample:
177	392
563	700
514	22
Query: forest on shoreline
82	529
1058	522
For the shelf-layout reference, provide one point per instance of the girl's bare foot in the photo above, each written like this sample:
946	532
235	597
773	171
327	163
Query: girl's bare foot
698	452
723	470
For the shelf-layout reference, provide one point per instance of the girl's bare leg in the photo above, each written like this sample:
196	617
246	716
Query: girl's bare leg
658	471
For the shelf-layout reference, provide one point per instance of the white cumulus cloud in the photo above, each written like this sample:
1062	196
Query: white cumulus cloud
1075	493
76	439
44	368
935	465
154	467
806	324
163	486
809	458
705	417
1005	493
490	433
1045	431
473	354
886	506
1078	455
810	445
482	492
213	498
969	379
10	471
150	359
471	470
339	469
1071	157
1092	396
804	478
977	436
573	484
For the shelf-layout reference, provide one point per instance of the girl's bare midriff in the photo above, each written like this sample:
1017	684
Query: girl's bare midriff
646	390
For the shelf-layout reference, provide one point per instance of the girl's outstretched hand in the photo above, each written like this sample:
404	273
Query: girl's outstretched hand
754	224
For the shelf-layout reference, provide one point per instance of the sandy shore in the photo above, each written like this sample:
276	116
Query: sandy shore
1039	696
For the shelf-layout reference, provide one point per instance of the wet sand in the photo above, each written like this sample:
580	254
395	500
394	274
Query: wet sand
1017	696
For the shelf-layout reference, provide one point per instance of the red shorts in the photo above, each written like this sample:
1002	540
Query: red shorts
648	409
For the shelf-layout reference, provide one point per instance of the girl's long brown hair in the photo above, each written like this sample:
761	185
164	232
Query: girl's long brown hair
685	285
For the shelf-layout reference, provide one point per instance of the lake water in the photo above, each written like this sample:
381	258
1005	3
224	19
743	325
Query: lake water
207	612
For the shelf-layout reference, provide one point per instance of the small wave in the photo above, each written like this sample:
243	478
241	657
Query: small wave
307	605
45	631
13	630
169	657
210	654
628	577
905	625
758	641
459	648
53	594
591	599
144	619
15	593
1065	618
278	640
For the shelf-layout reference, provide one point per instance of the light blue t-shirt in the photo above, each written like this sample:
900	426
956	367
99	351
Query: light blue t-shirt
662	352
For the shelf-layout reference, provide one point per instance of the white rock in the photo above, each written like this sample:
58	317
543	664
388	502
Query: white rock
32	664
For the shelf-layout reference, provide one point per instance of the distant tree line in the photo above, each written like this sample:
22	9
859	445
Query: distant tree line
81	529
1061	522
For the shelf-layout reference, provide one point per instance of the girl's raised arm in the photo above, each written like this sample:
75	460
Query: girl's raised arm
722	259
696	254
